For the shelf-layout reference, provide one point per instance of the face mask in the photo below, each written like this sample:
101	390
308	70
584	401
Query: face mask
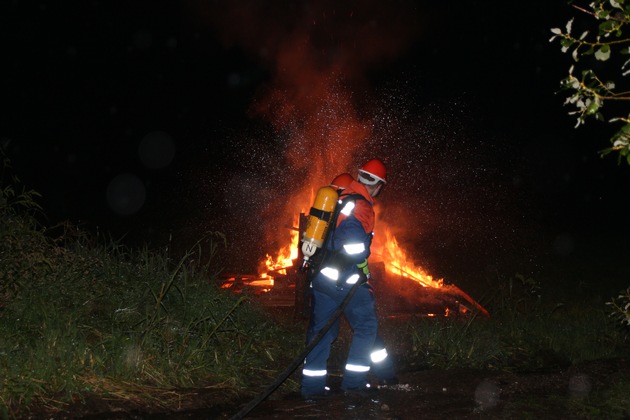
377	191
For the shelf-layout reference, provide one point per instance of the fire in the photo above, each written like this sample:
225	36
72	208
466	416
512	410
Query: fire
394	256
284	257
237	283
397	262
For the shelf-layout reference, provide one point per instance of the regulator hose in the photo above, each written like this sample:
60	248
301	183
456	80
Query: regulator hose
300	358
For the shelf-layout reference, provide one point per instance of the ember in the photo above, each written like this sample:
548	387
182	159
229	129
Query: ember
239	282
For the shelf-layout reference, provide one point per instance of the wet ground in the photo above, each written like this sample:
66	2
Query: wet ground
576	392
464	394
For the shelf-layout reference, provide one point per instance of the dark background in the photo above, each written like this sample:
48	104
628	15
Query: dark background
484	154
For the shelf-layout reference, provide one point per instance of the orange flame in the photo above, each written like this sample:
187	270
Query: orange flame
285	256
393	255
397	262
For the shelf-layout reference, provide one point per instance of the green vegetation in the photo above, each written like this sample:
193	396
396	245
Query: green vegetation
524	333
620	307
599	45
612	402
590	84
82	316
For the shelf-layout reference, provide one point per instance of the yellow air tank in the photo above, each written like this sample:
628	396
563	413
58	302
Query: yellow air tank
318	221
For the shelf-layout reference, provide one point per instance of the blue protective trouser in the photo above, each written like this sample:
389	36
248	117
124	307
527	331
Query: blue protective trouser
361	315
382	363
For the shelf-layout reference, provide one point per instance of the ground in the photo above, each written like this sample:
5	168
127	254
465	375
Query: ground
575	392
554	389
471	394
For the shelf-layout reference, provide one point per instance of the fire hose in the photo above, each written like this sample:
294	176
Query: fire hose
300	358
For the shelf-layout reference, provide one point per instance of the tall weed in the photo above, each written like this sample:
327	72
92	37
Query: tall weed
82	314
523	333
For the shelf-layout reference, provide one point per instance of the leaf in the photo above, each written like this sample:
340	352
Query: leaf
592	108
607	26
603	53
575	55
602	14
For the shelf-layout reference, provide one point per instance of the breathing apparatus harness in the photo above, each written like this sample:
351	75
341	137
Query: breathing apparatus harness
337	258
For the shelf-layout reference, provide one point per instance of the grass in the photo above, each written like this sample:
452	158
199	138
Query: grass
95	318
611	402
82	315
524	333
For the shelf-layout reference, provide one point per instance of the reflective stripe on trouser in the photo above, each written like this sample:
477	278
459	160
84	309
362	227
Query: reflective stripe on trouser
382	363
361	315
317	359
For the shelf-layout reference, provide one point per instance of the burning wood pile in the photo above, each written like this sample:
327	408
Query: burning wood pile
403	288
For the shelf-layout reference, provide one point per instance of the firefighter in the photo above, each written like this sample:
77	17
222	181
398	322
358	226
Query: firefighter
344	263
382	364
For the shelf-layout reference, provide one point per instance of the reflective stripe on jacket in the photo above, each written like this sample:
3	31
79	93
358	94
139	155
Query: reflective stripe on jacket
349	243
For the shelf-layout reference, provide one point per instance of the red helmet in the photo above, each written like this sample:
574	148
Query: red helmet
373	172
342	181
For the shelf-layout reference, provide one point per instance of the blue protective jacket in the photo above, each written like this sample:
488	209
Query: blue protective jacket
349	243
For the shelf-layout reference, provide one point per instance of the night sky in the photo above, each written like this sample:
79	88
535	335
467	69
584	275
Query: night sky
158	120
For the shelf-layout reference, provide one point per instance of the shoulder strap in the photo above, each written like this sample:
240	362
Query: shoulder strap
322	253
354	196
343	200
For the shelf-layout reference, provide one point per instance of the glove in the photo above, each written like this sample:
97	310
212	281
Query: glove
364	271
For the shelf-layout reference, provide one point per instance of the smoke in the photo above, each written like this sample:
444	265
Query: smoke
318	57
328	100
